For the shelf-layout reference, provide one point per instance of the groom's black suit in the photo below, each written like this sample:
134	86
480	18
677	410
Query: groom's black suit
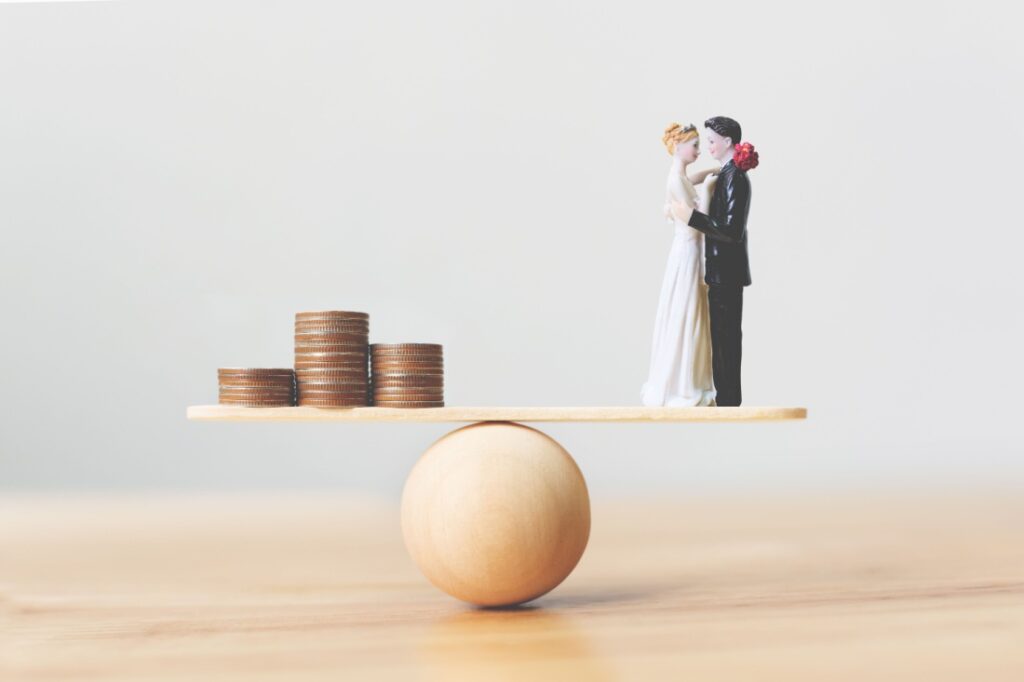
727	272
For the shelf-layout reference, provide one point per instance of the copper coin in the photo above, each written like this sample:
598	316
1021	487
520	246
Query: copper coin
333	388
332	314
407	346
330	373
355	335
326	328
408	389
335	381
326	349
405	353
327	365
335	392
397	374
391	391
343	334
258	397
332	403
257	403
416	360
257	389
255	381
404	404
277	399
339	326
408	399
330	355
252	370
411	371
334	338
419	359
332	322
359	334
304	362
432	397
407	381
331	340
335	397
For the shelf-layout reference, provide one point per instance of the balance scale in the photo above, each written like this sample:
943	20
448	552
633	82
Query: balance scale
230	413
495	513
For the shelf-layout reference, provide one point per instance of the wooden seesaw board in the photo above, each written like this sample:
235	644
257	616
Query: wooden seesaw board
478	414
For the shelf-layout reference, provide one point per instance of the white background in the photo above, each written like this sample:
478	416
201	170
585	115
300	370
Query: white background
177	179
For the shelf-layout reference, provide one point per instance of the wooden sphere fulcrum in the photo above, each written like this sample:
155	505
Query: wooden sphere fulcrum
496	513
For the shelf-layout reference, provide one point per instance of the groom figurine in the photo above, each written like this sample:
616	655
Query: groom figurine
727	269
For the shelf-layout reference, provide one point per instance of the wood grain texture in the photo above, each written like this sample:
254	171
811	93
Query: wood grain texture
319	587
519	414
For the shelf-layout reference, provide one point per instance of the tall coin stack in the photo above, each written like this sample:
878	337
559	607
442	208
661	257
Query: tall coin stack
407	374
331	358
251	387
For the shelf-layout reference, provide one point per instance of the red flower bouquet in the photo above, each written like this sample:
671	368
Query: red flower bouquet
744	156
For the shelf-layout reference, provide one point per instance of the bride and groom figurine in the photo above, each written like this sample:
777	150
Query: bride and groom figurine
697	346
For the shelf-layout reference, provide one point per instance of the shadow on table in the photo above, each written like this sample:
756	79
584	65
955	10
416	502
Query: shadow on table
514	643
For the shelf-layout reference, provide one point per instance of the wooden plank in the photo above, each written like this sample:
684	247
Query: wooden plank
318	587
475	414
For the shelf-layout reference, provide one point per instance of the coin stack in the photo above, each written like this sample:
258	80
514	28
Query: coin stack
407	374
251	387
331	358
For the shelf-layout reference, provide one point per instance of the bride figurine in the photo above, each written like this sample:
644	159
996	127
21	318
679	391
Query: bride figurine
680	372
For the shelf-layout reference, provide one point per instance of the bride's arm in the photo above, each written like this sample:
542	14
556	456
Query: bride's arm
700	176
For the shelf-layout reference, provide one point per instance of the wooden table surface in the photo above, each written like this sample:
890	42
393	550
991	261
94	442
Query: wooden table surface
828	587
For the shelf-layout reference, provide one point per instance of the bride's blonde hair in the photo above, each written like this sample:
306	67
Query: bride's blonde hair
676	133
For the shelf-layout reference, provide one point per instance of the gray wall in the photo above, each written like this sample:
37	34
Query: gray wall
177	179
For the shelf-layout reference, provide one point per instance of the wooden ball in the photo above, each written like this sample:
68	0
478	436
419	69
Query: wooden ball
496	513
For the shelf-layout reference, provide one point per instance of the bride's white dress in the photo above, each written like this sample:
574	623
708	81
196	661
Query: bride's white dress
680	372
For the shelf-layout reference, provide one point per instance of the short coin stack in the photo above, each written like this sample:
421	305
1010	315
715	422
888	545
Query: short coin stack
253	387
407	374
331	358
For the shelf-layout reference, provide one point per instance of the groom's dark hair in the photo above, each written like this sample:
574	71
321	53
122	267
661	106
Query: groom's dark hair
726	127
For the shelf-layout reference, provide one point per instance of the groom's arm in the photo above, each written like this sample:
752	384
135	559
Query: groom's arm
733	225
